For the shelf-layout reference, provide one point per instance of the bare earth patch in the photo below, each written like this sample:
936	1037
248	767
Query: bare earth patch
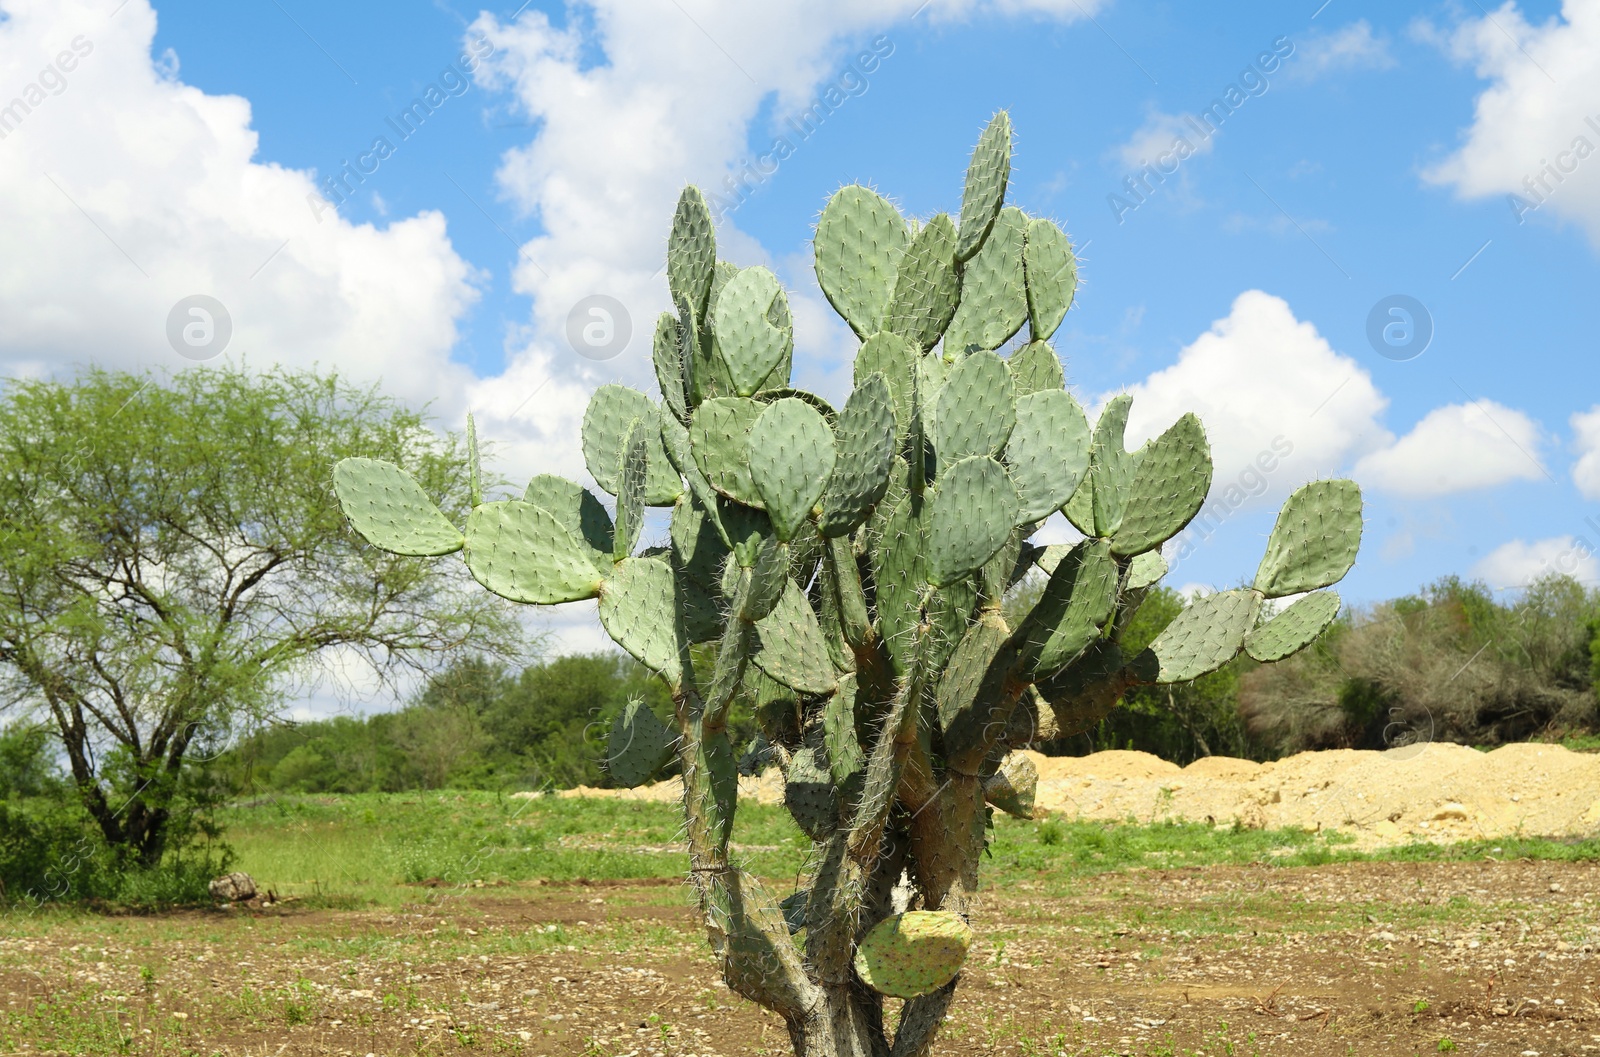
1350	959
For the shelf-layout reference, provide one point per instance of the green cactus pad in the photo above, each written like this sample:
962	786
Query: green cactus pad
791	456
1012	787
1146	569
899	569
1035	367
1171	477
522	552
912	954
691	251
1052	277
896	359
971	517
719	434
769	579
975	410
1110	467
864	455
845	758
474	464
927	288
1077	601
931	374
579	512
994	300
390	510
708	371
859	243
1084	692
639	746
1080	508
1295	628
606	423
793	908
972	682
639	610
1048	452
809	794
1206	635
791	647
751	328
985	189
666	355
630	498
1315	540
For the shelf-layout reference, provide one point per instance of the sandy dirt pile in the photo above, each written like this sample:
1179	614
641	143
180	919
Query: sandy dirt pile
1438	792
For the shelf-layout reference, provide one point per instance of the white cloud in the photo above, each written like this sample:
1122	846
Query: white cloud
1457	448
127	190
1353	47
1270	391
1163	140
1518	563
1531	137
1586	471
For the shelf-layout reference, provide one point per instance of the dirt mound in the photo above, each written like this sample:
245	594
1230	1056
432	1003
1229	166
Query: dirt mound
1439	792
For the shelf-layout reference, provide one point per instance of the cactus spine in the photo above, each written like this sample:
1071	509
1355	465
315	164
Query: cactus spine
846	569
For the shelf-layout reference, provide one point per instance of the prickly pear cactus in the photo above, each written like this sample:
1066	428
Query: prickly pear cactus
845	568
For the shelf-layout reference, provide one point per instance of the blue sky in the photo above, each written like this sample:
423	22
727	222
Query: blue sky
1374	155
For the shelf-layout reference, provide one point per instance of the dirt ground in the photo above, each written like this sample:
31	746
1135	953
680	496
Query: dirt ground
1433	792
1349	960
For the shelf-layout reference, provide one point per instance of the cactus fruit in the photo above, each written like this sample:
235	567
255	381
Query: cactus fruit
841	573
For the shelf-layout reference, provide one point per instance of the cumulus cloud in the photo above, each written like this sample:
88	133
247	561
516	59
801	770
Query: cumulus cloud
1534	130
1457	448
1162	140
1586	471
128	190
1271	392
1352	47
1519	563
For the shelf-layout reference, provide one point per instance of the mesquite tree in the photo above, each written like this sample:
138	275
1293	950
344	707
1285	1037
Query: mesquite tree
843	572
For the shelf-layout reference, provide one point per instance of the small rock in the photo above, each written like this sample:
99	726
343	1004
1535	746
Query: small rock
233	887
1451	812
1554	887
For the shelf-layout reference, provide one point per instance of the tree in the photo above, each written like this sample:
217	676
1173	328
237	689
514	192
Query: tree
174	558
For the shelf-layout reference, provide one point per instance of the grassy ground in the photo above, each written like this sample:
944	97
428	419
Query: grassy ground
463	923
377	849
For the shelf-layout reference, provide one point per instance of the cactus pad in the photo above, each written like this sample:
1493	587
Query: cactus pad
691	251
639	746
639	610
666	355
1048	452
1076	603
808	793
792	650
896	359
975	410
911	954
859	242
1295	628
1035	367
719	434
1110	467
522	552
985	189
926	289
864	455
971	517
391	511
579	512
606	423
1052	273
752	330
1146	569
1315	540
1206	635
791	457
630	498
1170	480
994	301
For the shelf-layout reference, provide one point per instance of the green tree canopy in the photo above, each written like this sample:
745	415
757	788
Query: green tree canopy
173	557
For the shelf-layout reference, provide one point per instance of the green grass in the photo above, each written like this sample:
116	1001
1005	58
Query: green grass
380	848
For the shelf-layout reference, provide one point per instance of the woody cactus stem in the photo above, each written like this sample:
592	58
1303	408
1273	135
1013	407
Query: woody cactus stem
845	568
